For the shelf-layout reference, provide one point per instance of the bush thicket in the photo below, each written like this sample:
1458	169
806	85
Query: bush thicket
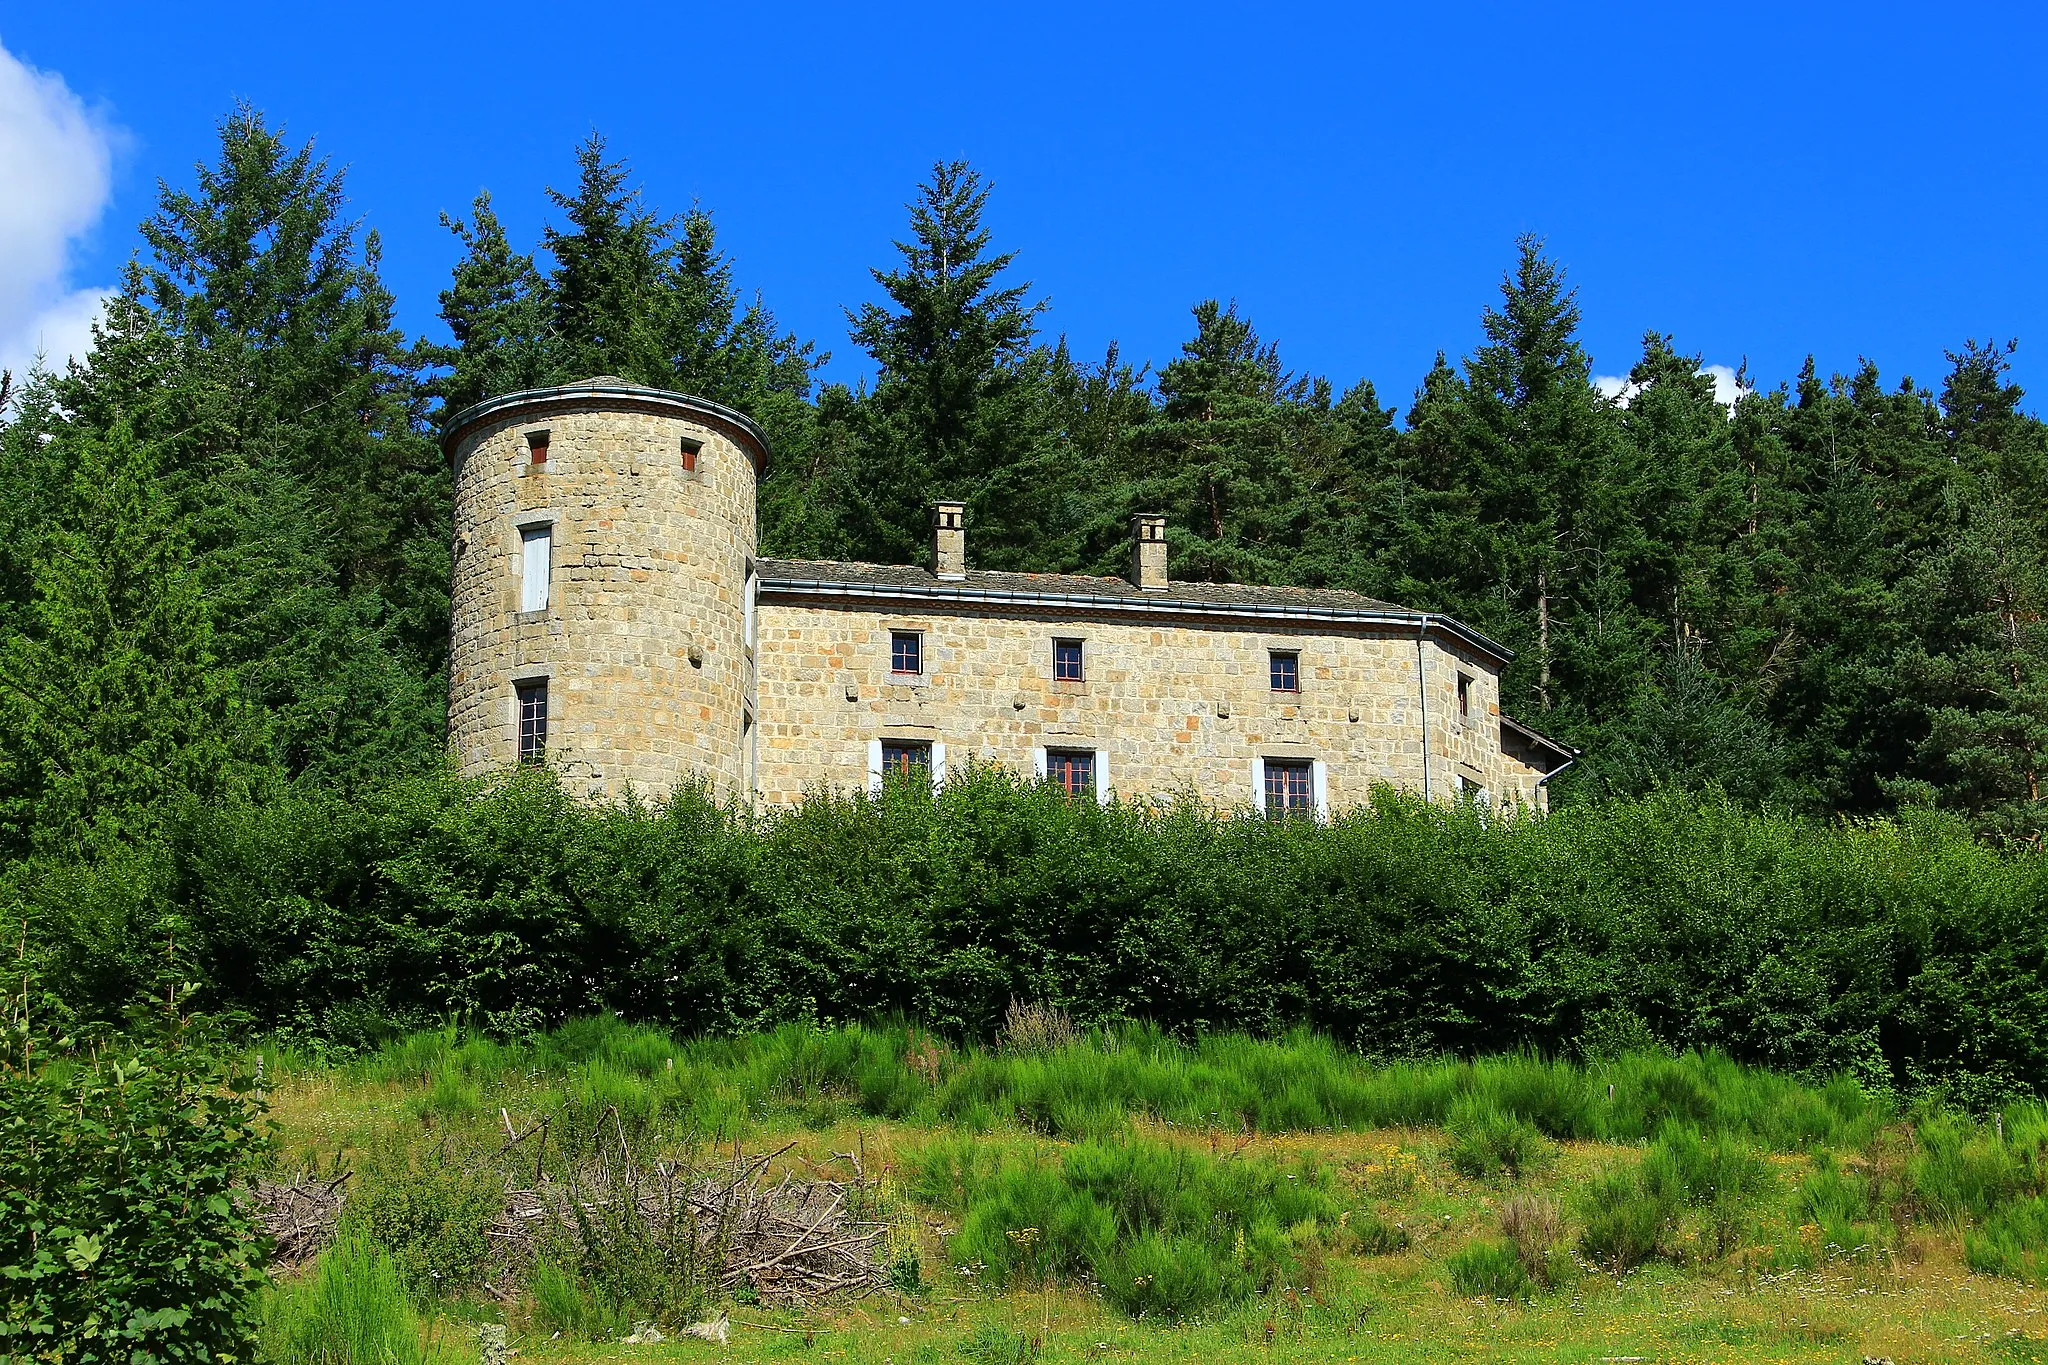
1903	953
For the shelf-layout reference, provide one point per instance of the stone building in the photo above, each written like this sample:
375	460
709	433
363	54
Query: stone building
611	618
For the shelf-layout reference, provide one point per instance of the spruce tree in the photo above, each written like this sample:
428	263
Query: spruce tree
958	394
1224	459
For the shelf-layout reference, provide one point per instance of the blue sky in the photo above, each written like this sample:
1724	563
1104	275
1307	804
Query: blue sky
1762	183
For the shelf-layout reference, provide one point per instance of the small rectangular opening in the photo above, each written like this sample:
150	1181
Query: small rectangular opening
691	449
533	721
536	553
1286	671
1290	786
537	447
1072	769
906	652
1464	698
1066	661
907	760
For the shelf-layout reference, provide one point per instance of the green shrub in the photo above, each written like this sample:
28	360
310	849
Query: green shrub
2012	1241
122	1235
1368	1234
1623	1225
1165	1229
563	1303
1489	1269
1173	1277
1487	1140
428	1210
1965	1170
1896	952
351	1309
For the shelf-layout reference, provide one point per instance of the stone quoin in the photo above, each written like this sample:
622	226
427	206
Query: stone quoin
610	616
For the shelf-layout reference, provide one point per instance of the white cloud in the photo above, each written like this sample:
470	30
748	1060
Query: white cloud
1727	388
56	162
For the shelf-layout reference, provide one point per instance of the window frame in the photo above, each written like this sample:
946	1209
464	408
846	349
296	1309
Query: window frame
1464	708
530	534
1293	667
1296	800
1060	765
1079	646
916	641
904	748
530	722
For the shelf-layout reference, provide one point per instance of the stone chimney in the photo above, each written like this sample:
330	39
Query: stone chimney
1148	551
949	539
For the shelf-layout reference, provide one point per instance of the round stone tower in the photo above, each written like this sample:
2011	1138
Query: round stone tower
602	606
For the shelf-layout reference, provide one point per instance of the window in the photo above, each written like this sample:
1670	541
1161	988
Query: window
537	447
1072	769
907	758
533	721
1290	787
692	447
1066	660
1469	790
1464	698
906	651
1286	671
536	545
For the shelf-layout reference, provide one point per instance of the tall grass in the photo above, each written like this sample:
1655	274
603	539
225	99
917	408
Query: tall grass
1166	1230
1095	1084
351	1310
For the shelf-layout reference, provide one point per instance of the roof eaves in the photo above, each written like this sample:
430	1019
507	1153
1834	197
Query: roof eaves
606	391
1537	737
1422	622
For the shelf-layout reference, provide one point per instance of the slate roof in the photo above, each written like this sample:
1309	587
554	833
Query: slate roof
1080	593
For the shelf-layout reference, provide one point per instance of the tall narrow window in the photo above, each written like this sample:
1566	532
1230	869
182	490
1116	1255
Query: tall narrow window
910	759
537	447
536	552
692	448
1066	660
1464	698
1290	787
1072	769
533	721
1286	671
906	651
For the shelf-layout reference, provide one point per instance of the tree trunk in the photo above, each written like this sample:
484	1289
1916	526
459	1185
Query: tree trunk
1543	636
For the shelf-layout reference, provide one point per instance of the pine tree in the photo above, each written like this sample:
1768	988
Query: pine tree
1224	459
958	396
113	709
497	308
253	350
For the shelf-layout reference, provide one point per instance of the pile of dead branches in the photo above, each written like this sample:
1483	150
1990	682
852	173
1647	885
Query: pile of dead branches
794	1242
299	1214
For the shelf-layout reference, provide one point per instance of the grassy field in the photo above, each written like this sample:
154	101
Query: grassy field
1067	1198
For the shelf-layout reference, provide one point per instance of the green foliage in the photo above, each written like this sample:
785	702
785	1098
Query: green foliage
427	1211
1903	955
351	1309
1489	1269
1166	1230
123	1237
563	1303
1694	1197
1487	1141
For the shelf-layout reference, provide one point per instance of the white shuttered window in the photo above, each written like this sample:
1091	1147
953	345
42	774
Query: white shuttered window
536	546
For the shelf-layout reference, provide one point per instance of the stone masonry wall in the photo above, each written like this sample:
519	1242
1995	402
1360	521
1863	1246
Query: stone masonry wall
643	641
1175	706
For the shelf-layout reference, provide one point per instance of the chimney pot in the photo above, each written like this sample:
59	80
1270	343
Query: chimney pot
1148	551
949	540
